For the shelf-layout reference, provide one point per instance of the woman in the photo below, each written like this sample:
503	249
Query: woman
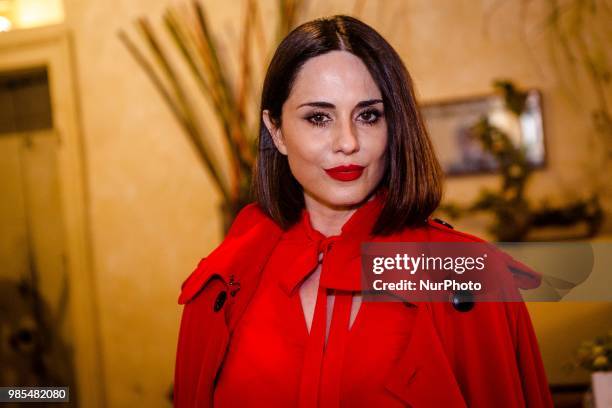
274	316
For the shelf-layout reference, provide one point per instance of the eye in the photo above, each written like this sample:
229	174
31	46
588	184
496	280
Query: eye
318	118
370	116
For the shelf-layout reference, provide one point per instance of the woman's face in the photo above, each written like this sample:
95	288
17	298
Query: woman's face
333	130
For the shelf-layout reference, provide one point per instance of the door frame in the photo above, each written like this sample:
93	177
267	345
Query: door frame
51	47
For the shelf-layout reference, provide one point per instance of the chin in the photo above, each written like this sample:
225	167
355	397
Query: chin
342	196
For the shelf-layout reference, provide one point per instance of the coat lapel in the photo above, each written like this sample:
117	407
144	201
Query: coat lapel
422	376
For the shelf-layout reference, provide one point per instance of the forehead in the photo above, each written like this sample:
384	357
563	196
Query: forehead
334	76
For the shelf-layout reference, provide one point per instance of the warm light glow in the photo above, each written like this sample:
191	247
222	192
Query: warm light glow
5	24
34	13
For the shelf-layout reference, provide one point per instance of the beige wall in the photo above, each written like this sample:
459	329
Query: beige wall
152	205
153	208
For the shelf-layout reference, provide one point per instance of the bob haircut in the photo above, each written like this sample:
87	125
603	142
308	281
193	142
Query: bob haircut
412	175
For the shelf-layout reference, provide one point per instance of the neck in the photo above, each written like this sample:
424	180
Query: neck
328	219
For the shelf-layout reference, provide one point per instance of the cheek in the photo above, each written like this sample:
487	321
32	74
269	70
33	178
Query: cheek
377	146
304	151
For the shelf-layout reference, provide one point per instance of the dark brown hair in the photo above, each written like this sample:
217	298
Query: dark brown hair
412	176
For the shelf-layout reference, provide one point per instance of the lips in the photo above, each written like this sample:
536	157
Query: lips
345	173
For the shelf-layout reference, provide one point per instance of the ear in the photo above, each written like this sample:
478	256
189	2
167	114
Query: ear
275	132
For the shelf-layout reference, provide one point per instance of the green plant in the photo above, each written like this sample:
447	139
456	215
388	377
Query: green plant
594	355
513	215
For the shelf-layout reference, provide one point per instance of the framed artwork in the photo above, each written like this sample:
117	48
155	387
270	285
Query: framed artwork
449	125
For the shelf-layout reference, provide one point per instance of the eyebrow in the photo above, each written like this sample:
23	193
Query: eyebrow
320	104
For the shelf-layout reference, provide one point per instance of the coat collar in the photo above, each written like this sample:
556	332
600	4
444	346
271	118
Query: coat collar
342	271
253	236
243	252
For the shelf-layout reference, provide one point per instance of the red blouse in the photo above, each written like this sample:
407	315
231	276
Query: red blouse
274	361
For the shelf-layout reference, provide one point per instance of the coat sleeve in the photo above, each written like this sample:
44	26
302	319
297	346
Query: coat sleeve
203	334
533	376
201	345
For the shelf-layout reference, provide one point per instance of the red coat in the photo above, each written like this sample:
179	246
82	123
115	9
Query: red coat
485	357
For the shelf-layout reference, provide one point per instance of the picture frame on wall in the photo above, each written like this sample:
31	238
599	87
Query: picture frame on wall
449	125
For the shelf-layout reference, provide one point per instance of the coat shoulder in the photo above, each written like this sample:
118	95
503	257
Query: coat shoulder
524	276
442	230
249	227
250	215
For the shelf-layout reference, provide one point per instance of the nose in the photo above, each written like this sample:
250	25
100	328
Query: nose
345	138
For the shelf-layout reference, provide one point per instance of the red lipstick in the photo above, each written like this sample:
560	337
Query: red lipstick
345	173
